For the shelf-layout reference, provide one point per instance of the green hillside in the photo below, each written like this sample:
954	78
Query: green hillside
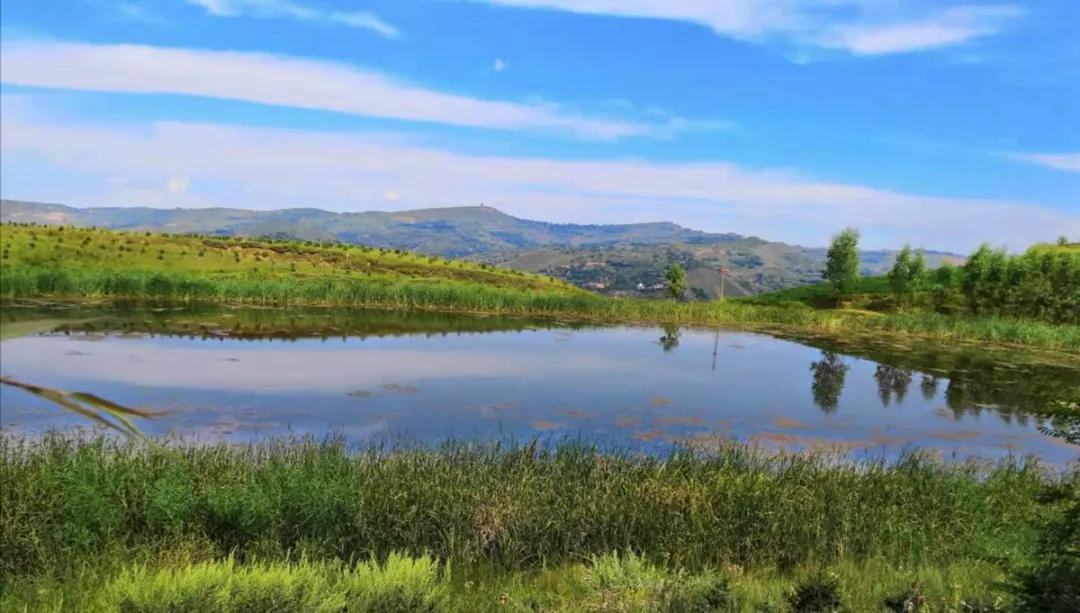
820	295
223	258
755	266
64	263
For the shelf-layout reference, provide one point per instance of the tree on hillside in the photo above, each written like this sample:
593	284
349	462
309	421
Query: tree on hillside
675	281
842	262
907	272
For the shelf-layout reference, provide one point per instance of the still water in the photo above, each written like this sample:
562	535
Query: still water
240	375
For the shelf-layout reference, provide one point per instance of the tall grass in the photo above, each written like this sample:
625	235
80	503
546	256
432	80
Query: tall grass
68	500
610	582
21	282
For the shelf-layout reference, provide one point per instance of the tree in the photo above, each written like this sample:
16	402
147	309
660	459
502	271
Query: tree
898	276
675	281
907	272
945	275
842	262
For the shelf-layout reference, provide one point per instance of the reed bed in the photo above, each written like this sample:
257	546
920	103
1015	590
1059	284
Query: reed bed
28	282
518	507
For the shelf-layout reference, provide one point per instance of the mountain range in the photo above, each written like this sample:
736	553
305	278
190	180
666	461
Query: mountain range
624	259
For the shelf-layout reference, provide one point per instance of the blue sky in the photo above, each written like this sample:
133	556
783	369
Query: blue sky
941	123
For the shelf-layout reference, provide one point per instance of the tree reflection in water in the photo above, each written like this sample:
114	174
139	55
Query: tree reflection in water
892	383
929	387
828	381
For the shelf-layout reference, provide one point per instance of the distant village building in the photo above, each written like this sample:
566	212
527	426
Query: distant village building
640	287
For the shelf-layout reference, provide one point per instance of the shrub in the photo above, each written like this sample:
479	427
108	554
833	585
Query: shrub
820	594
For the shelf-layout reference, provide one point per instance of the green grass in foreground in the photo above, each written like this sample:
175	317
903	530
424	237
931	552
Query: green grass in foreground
157	524
286	273
182	581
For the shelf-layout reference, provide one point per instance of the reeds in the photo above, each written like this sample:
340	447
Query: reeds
19	282
517	507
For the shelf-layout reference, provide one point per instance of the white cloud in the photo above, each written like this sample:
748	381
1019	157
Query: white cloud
500	65
945	28
292	10
178	185
268	168
860	27
1068	162
283	81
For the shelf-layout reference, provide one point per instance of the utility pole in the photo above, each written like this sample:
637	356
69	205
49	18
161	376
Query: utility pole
723	273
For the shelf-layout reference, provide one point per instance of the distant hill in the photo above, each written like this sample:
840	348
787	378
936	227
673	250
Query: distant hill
613	259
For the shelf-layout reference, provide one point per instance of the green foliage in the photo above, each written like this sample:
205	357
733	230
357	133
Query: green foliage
842	261
1043	283
675	281
66	501
1052	584
906	275
402	584
820	594
947	275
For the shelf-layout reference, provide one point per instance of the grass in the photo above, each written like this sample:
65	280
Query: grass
514	508
103	525
611	582
68	263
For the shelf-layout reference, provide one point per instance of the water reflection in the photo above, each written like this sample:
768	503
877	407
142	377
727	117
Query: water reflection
929	387
892	382
829	374
240	375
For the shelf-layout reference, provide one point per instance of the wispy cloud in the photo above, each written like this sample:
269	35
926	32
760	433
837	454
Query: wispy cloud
941	29
1068	162
266	168
291	10
859	27
286	81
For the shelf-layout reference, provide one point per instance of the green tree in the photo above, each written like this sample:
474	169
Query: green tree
907	273
842	262
898	276
976	270
675	281
945	275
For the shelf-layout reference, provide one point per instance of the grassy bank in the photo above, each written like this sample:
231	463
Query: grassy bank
98	264
157	287
511	520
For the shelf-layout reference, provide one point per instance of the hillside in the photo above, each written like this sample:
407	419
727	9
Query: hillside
610	259
53	248
448	232
755	265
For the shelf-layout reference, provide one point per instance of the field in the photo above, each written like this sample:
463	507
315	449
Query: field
65	263
310	526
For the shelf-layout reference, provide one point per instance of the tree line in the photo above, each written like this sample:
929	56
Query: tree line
1041	283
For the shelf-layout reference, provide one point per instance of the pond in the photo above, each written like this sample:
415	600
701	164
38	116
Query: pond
376	376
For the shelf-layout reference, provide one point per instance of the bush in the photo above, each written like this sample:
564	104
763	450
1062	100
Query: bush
1053	584
820	594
